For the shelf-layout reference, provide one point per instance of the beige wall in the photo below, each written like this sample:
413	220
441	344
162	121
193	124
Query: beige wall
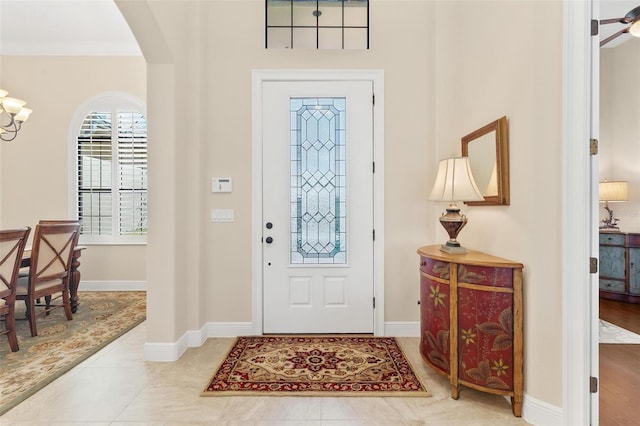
490	65
619	145
34	168
408	136
450	67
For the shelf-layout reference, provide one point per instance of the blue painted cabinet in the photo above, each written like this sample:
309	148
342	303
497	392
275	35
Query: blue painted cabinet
620	266
634	271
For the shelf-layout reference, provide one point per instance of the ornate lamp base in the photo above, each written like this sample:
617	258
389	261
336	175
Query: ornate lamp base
453	222
452	249
610	223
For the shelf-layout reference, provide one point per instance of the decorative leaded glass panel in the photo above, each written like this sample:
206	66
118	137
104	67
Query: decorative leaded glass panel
318	181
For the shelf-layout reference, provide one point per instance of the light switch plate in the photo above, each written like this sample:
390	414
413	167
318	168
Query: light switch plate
222	215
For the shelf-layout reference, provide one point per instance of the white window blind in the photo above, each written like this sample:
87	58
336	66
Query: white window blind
112	195
132	173
95	153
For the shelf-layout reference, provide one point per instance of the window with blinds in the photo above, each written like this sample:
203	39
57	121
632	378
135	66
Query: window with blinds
112	174
132	173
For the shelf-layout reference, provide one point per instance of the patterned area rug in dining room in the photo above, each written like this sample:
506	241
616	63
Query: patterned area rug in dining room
315	366
60	345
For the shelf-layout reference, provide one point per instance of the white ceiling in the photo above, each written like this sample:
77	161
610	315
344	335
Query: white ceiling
96	27
64	27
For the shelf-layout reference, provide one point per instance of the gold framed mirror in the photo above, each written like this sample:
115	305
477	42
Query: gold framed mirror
488	152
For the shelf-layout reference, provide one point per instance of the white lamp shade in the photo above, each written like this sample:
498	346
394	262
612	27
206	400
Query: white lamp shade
12	105
634	29
23	114
613	191
454	182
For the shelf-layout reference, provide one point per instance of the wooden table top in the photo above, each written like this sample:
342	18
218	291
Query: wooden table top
471	257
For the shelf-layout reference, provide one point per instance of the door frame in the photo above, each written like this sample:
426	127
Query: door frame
594	285
579	231
258	78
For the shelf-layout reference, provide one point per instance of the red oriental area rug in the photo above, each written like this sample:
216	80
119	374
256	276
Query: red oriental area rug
315	366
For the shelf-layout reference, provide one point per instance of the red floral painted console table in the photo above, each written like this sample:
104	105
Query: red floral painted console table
471	321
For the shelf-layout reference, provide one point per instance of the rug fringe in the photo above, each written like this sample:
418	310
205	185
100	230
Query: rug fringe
413	394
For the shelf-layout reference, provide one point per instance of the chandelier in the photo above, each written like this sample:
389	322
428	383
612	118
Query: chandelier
12	115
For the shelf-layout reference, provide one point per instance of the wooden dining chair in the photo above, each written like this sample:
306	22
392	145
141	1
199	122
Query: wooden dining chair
12	242
51	255
59	221
25	271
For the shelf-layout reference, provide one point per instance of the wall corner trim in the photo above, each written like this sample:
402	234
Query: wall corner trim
172	351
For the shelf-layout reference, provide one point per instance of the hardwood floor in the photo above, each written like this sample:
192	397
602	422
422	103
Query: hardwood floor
625	315
620	368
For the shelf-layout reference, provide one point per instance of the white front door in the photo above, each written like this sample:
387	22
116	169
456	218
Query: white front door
317	207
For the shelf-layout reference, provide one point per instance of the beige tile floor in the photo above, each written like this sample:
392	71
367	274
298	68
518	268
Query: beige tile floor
116	387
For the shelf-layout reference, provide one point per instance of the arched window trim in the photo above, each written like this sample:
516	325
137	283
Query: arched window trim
108	101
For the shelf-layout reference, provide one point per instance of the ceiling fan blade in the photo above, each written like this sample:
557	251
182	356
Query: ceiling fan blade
632	15
612	21
613	36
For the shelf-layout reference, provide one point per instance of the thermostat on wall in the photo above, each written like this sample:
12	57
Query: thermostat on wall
221	184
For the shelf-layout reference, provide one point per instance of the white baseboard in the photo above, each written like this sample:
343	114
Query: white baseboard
230	329
195	338
165	352
537	412
168	352
112	285
402	328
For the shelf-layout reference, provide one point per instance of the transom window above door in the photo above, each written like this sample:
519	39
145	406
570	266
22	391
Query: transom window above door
317	24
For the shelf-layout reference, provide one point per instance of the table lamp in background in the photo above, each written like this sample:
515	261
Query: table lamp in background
614	191
454	182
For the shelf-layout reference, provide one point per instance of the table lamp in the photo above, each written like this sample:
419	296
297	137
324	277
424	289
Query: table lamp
614	191
454	182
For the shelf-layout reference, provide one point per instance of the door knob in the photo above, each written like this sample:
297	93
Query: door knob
269	240
269	225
